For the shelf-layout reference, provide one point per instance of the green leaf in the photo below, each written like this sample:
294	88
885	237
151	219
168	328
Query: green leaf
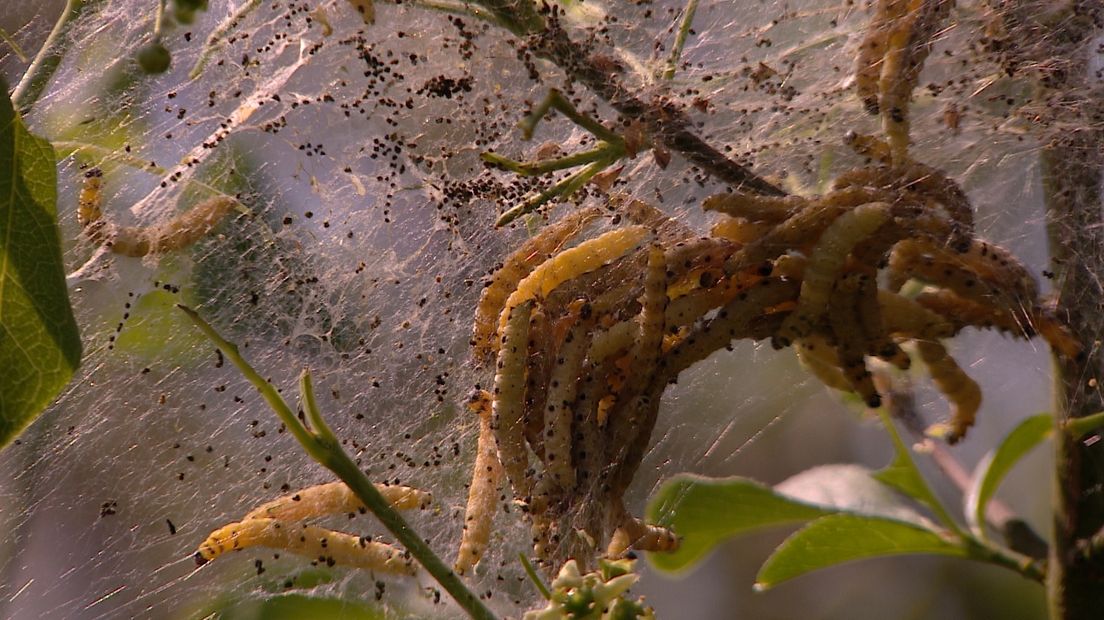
705	511
39	342
992	469
840	538
902	474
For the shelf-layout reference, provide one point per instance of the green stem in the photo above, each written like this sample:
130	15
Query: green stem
159	20
214	40
49	56
534	577
537	168
564	188
986	552
680	39
556	101
324	447
18	51
1079	427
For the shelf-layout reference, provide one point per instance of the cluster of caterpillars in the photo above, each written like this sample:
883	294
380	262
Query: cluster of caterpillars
281	524
584	337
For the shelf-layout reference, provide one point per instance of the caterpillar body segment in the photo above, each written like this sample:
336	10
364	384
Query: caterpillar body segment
906	318
90	202
821	359
960	390
508	404
754	207
483	494
870	318
322	545
825	264
560	412
851	341
633	415
907	47
335	498
517	266
736	319
543	343
739	230
571	263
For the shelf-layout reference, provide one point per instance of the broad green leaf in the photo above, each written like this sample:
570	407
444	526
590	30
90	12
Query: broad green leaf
840	538
849	488
39	342
992	469
706	511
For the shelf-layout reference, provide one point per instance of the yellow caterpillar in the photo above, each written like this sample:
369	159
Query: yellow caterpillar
483	494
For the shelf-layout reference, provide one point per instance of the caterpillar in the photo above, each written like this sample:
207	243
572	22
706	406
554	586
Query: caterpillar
851	341
960	390
136	241
963	312
571	263
825	263
90	201
335	498
483	494
631	406
517	266
558	418
870	317
913	25
821	359
908	319
755	208
508	404
324	546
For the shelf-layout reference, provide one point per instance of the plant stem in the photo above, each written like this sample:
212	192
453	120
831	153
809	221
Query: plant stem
667	123
1071	178
680	39
46	62
214	40
321	444
18	51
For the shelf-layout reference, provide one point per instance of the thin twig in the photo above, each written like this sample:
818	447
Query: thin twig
18	51
214	40
49	56
680	39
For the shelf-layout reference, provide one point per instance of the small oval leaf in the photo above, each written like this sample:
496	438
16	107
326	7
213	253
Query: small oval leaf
840	538
991	470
